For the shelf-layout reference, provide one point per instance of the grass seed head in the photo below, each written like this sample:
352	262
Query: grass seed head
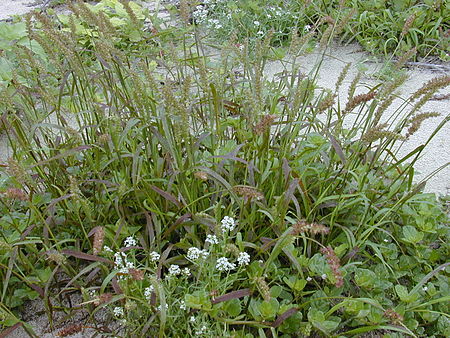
265	123
263	288
99	239
334	264
302	226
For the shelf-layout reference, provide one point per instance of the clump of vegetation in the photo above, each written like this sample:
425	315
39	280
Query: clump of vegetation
191	196
381	27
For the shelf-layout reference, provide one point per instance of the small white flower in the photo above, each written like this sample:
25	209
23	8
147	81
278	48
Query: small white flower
130	241
154	256
204	253
425	288
193	253
148	292
182	305
308	279
165	306
324	276
228	224
243	258
107	249
186	272
260	33
307	28
118	311
174	270
192	319
201	331
224	265
211	239
256	23
385	240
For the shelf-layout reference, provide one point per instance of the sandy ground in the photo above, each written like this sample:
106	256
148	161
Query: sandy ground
437	155
15	7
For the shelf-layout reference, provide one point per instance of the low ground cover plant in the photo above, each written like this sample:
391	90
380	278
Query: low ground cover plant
381	27
189	195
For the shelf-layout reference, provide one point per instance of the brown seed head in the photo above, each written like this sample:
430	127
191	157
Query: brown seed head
264	124
249	193
359	99
201	175
334	264
136	274
15	193
303	226
99	238
393	316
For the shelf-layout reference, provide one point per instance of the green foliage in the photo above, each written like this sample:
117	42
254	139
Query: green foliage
146	178
379	26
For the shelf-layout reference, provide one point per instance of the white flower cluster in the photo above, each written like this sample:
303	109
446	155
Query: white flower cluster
183	305
174	270
130	241
201	330
148	292
243	258
215	23
228	224
154	256
200	14
195	253
122	263
186	272
118	311
223	264
211	239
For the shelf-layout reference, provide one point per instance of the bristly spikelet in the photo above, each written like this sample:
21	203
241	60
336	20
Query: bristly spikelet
342	76
264	124
99	238
393	316
359	99
405	57
18	172
334	264
249	193
57	257
136	274
263	288
408	23
294	46
431	86
185	11
353	84
344	21
302	226
201	175
15	193
103	298
326	103
130	12
416	121
379	132
233	249
326	37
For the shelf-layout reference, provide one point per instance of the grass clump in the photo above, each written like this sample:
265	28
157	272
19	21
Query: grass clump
191	196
